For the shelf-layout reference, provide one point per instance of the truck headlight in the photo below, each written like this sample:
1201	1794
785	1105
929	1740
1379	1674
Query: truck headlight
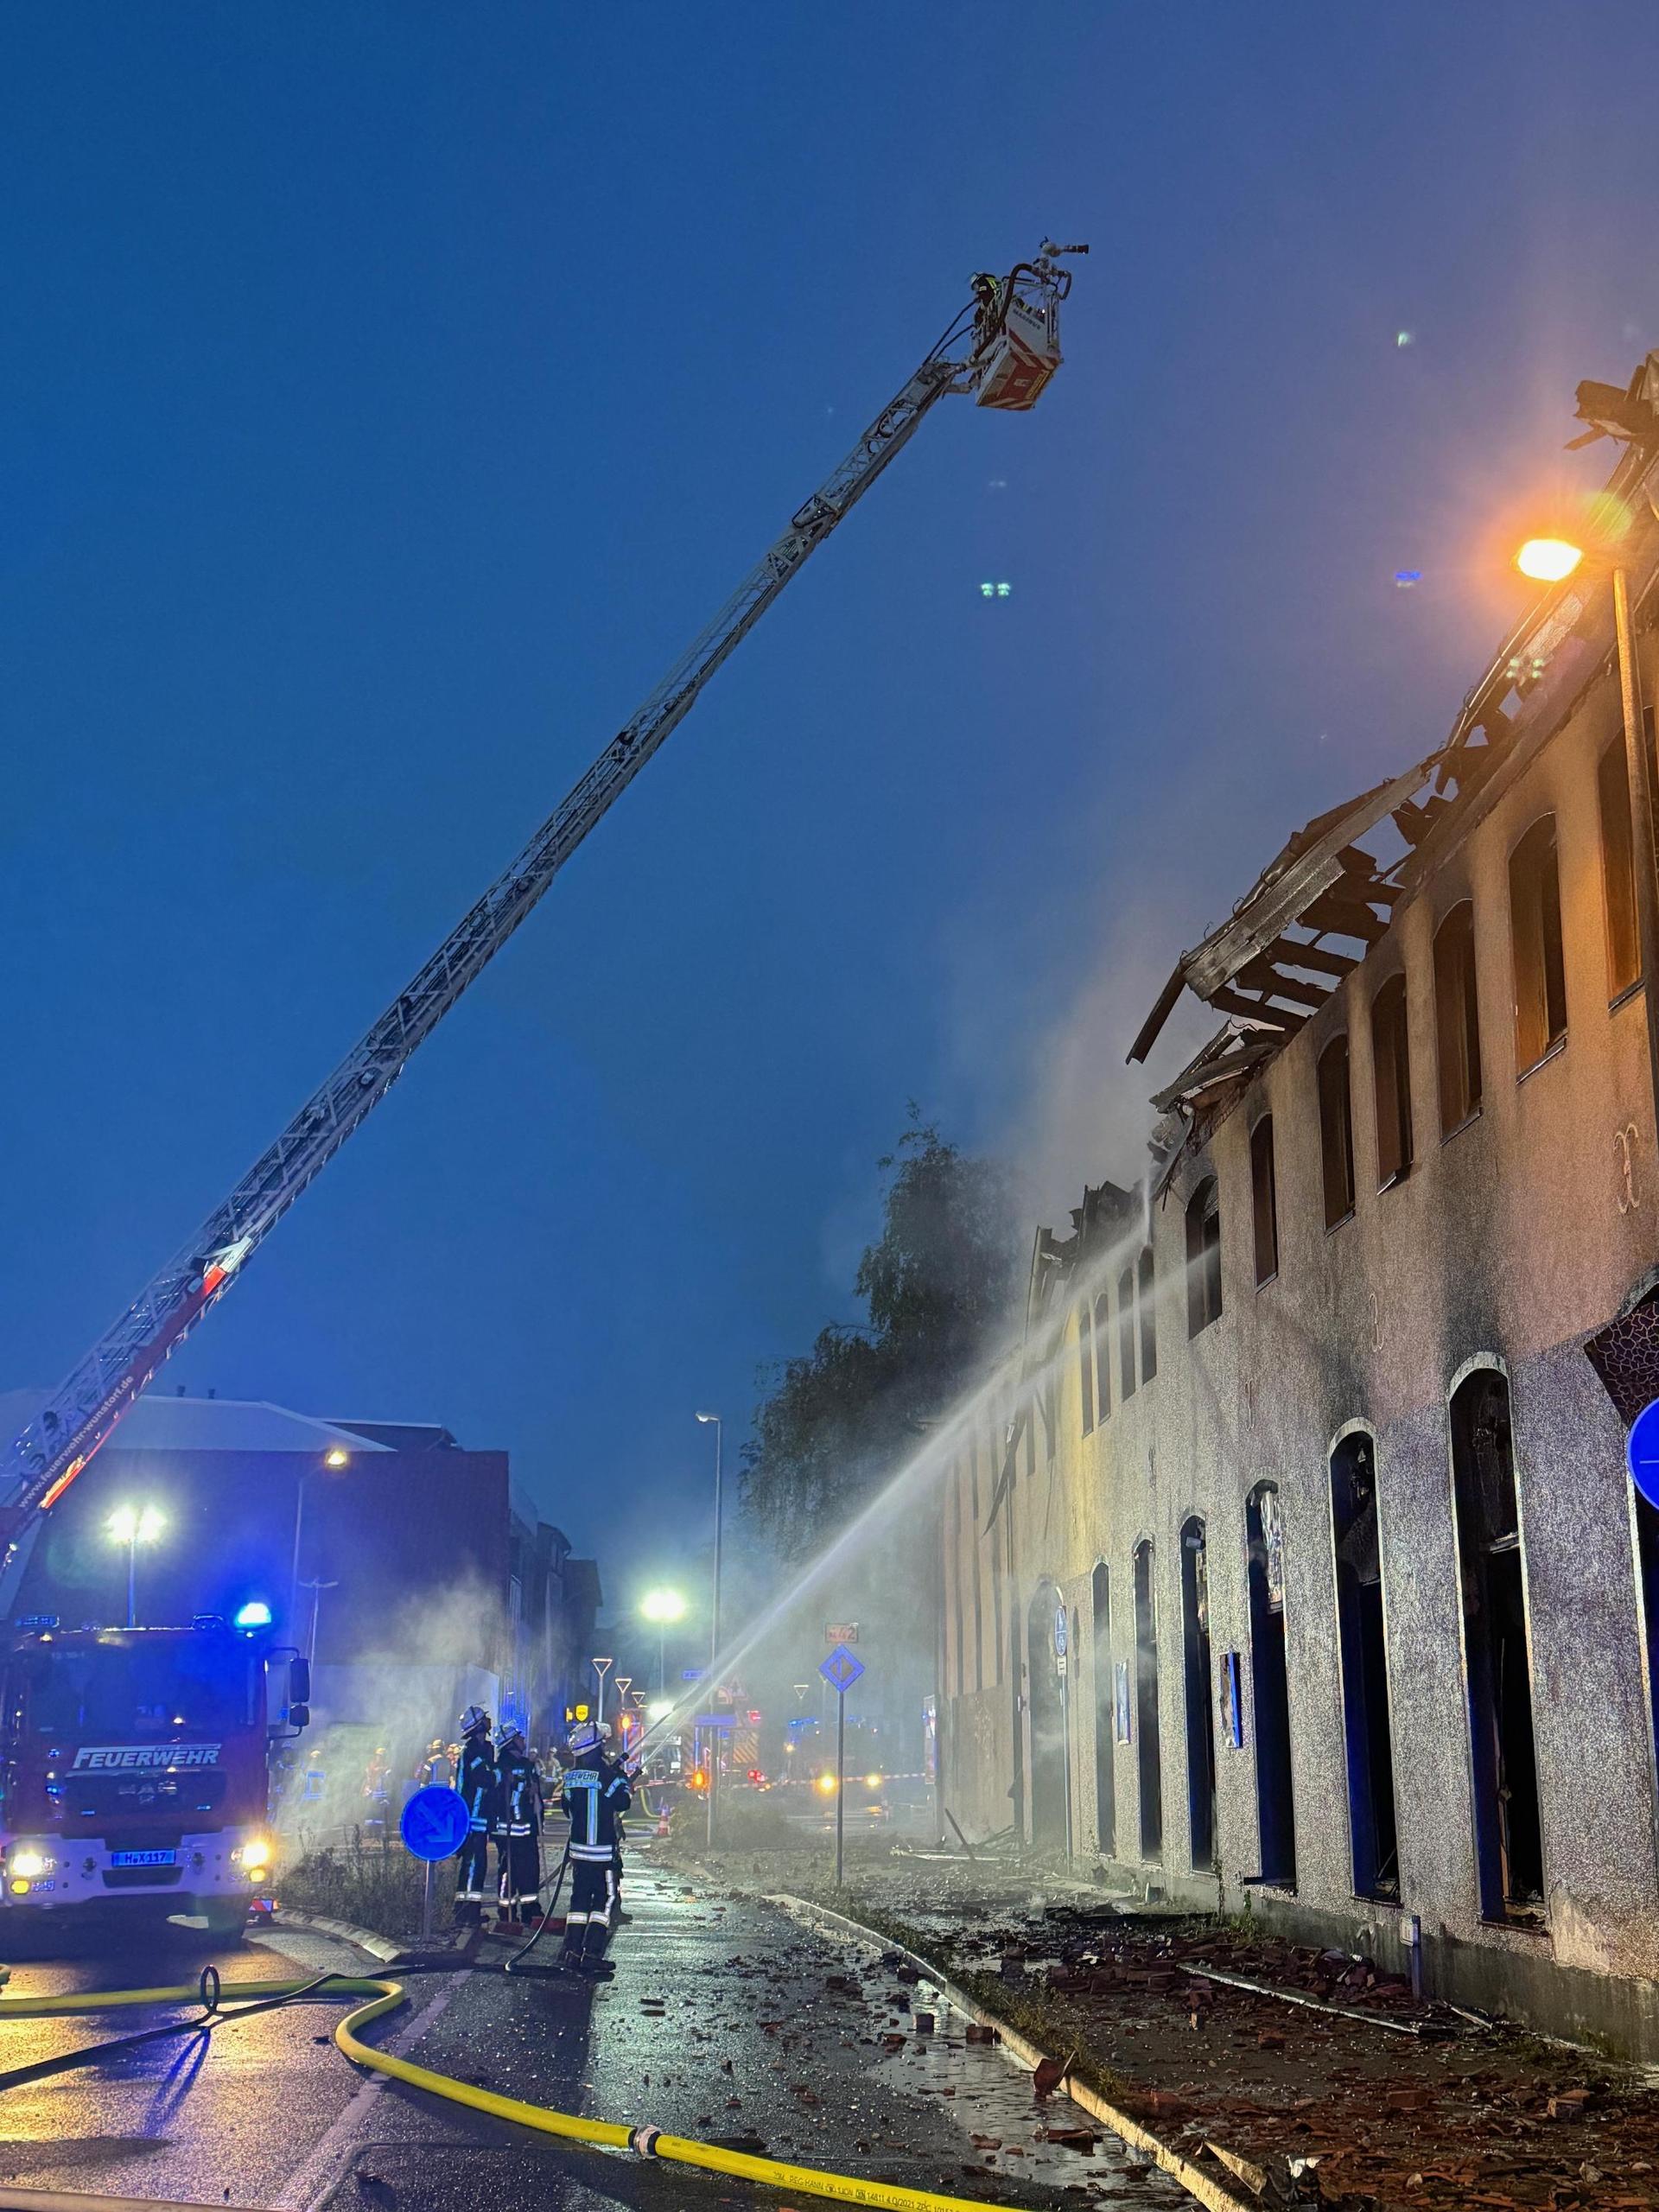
254	1855
28	1865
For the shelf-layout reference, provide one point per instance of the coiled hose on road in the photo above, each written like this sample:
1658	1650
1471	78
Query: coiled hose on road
384	1996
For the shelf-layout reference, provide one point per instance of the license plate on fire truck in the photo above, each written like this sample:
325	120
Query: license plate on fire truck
144	1858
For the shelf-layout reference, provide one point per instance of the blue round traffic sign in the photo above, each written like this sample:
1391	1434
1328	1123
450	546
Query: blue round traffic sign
1641	1452
435	1822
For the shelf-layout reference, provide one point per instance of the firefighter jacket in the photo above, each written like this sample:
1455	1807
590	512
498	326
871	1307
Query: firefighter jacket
477	1782
593	1791
517	1808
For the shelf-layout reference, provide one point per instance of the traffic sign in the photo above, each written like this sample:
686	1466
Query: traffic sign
435	1822
841	1669
840	1632
1641	1452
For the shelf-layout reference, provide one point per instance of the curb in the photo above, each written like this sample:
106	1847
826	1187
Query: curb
1208	2191
317	1923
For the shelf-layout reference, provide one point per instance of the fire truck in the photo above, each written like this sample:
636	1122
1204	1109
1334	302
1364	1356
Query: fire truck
134	1766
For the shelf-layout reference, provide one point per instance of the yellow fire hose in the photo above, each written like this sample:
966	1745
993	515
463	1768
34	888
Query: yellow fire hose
384	1997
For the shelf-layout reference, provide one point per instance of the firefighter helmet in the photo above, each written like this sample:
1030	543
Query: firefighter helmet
473	1719
583	1737
508	1732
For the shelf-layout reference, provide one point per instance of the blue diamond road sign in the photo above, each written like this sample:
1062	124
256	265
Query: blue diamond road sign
435	1822
841	1669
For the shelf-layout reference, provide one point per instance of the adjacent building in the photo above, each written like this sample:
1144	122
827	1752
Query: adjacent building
413	1572
1293	1565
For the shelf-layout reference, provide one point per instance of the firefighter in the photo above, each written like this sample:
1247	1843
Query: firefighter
517	1826
475	1778
594	1791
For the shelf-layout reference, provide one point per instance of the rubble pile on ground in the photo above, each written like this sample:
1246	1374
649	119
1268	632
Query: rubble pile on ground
1384	2101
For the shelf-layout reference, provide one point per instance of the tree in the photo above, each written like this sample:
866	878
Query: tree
938	1285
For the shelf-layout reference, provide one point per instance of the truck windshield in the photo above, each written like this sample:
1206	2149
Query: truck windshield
144	1692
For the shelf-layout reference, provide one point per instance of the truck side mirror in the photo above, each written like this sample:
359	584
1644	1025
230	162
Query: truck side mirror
299	1682
299	1716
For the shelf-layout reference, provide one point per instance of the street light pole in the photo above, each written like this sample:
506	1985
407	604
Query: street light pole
1553	560
714	1626
335	1458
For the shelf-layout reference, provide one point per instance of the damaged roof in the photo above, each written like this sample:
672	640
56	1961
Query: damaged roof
1325	899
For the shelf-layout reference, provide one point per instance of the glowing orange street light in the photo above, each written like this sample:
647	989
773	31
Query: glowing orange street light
1548	560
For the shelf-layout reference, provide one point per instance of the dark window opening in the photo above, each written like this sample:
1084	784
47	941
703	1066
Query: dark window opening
1457	1018
1200	1717
1105	1749
1508	1838
1535	942
1336	1132
1149	1763
1126	1334
1264	1201
1044	1699
1202	1258
1391	1082
1086	1366
1149	1314
1363	1646
1617	867
1647	1564
1275	1803
1103	1356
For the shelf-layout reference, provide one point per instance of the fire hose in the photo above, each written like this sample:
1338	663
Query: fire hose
384	1996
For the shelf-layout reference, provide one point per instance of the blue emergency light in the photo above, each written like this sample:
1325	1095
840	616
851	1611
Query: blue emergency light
255	1614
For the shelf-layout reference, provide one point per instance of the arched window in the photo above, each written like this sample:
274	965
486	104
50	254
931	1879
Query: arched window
1105	1750
1535	943
1086	1365
1391	1082
1149	1314
1264	1201
1149	1766
1457	1018
1202	1258
1336	1132
1126	1334
1363	1649
1103	1355
1509	1837
1275	1805
1198	1685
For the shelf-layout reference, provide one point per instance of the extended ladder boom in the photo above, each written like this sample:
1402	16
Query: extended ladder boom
991	350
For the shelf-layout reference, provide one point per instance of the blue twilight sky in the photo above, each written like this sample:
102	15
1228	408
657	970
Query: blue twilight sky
389	391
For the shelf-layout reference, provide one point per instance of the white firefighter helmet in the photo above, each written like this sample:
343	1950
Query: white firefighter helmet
508	1732
584	1735
473	1719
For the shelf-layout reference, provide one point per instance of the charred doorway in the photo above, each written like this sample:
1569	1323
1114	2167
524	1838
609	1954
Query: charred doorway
1508	1836
1148	1757
1275	1804
1047	1716
1197	1684
1100	1606
1367	1729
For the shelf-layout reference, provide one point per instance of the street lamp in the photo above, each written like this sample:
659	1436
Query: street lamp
1551	561
334	1458
133	1525
714	1625
664	1607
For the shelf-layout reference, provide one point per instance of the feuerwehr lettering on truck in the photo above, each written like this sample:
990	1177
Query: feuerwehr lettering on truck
142	1758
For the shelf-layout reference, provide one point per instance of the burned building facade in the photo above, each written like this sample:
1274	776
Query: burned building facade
1293	1566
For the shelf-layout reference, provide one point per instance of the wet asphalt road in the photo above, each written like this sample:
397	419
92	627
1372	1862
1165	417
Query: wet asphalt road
719	2023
